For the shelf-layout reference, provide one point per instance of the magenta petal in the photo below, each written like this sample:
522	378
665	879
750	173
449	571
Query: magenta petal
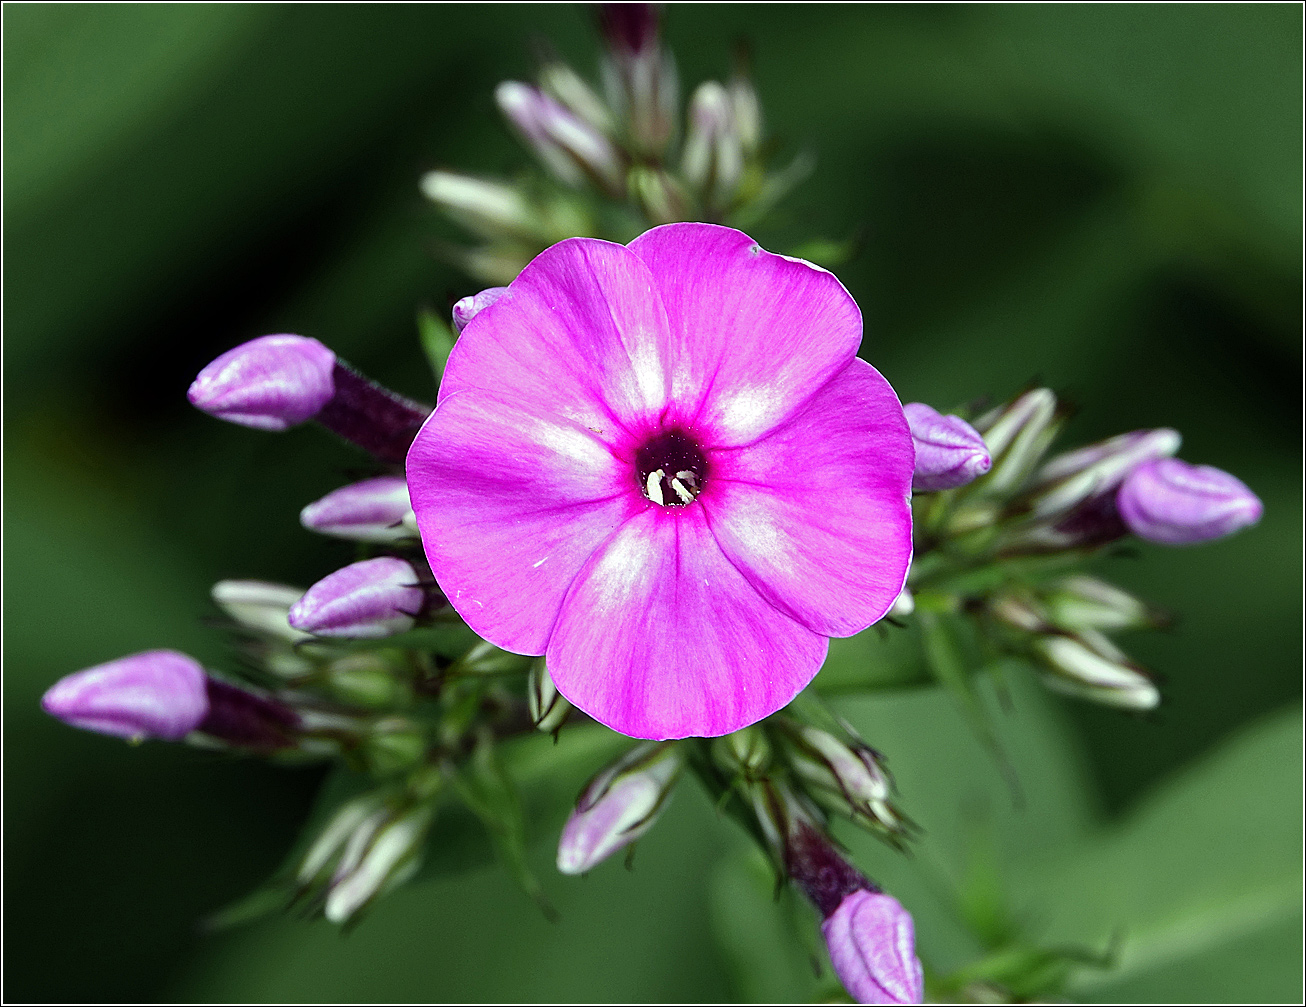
818	514
755	333
580	333
510	505
872	946
661	637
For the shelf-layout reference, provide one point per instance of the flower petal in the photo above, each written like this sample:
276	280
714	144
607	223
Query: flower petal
754	334
661	637
580	333
510	504
818	514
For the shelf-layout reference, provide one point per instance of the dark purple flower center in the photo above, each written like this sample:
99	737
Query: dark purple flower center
671	469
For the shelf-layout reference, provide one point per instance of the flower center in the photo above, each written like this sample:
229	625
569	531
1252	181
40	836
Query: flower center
671	469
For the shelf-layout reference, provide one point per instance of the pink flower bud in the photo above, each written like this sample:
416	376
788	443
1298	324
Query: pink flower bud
618	806
569	147
873	949
155	694
1172	502
374	510
949	451
269	383
469	307
368	600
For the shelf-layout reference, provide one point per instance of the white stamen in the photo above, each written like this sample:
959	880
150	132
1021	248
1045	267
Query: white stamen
688	477
653	487
684	494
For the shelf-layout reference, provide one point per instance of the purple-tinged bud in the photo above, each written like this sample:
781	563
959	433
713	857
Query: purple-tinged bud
569	147
1068	480
388	859
949	451
565	85
1172	502
269	383
245	719
618	806
155	694
639	74
872	944
259	606
1090	667
491	209
713	161
368	600
374	510
469	307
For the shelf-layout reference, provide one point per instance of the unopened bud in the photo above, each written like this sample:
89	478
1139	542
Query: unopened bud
747	112
618	806
548	708
269	383
569	147
1082	602
657	194
850	771
490	209
467	308
374	510
259	606
949	451
1091	667
903	606
343	826
155	694
1068	480
565	85
1017	435
713	160
1174	503
388	856
639	74
872	943
367	600
366	679
744	753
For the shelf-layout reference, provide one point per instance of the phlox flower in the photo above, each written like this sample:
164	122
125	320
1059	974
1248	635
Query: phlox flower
664	467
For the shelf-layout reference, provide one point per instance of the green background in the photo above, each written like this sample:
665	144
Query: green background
1106	199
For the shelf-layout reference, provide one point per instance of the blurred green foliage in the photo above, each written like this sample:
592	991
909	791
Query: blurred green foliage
1105	197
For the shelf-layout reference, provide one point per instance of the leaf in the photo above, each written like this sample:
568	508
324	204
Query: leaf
1207	862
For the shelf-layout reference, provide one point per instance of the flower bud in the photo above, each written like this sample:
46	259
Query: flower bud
1070	479
259	606
639	74
155	694
744	753
854	772
490	209
1017	435
747	112
469	307
903	606
343	825
949	451
713	160
1172	502
1091	667
658	194
367	600
548	708
569	147
1082	602
872	946
269	383
566	86
618	806
374	510
245	719
379	856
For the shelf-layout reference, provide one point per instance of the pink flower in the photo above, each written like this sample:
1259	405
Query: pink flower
873	949
664	467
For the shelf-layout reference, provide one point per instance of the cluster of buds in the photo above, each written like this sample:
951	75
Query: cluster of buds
997	522
618	144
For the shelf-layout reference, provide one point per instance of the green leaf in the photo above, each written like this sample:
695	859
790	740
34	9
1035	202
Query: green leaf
1207	863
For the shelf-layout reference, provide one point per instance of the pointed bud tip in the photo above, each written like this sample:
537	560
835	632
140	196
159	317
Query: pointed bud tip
872	944
1174	503
269	383
368	600
374	510
949	451
154	694
469	307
